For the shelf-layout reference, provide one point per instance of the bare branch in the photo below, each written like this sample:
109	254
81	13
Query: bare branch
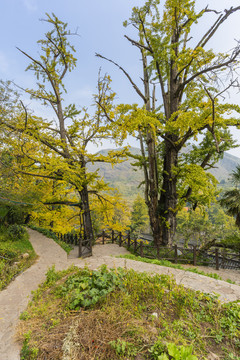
68	203
127	75
26	114
222	18
137	44
52	177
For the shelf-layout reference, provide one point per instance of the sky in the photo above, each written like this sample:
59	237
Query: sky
99	25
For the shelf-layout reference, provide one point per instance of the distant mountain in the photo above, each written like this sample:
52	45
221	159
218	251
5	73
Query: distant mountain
127	178
123	176
225	167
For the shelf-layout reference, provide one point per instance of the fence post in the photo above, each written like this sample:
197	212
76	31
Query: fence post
103	237
112	236
128	240
141	249
120	239
194	255
217	258
175	254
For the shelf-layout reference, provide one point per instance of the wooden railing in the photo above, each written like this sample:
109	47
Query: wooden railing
84	245
177	254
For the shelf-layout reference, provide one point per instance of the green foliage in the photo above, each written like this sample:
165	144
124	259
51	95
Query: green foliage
160	351
11	261
27	352
12	213
123	348
86	288
231	198
52	276
231	240
3	213
16	232
204	224
139	215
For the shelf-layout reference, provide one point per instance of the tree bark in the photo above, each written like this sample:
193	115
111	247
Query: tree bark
168	197
86	215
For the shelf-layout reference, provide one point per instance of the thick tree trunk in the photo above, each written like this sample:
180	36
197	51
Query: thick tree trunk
86	216
153	191
168	197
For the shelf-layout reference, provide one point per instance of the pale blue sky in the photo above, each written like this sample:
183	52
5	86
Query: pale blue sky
99	24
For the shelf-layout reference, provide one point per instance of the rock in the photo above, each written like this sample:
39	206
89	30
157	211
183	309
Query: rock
155	315
213	356
25	256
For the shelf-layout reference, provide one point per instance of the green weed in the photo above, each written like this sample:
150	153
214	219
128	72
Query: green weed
27	352
86	288
174	266
124	348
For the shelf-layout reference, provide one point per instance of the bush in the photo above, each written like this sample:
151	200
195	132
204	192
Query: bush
16	232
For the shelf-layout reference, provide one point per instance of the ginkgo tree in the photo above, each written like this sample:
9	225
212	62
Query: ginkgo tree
183	87
57	150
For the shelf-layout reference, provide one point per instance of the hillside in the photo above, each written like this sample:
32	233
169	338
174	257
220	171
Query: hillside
127	178
225	167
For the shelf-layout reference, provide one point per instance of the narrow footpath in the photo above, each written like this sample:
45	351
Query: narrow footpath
14	299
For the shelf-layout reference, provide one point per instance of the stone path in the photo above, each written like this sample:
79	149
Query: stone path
14	299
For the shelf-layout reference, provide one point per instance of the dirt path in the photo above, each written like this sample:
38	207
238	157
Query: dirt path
14	299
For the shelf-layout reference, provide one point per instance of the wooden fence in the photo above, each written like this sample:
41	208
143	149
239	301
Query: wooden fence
220	259
84	245
213	257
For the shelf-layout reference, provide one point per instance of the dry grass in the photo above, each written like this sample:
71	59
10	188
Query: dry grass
126	316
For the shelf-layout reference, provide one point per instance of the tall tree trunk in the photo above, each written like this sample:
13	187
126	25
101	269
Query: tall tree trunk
87	221
151	170
168	197
152	202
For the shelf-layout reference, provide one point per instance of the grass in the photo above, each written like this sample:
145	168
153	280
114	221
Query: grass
137	316
50	234
11	260
175	266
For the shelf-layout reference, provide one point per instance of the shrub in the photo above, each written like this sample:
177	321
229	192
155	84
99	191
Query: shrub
16	232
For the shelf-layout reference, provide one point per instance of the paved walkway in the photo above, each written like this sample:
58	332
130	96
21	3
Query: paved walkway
14	299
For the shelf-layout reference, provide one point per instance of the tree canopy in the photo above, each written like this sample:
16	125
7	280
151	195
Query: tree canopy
55	152
184	82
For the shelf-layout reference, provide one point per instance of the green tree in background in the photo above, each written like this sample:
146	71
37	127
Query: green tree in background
139	215
231	198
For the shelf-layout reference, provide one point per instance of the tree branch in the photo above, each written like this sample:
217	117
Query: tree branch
68	203
127	75
44	69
